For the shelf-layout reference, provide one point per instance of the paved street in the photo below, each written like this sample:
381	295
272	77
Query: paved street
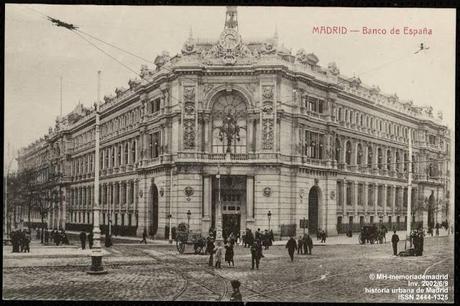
157	272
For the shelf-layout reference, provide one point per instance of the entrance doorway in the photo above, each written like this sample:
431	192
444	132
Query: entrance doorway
313	207
230	224
153	228
232	191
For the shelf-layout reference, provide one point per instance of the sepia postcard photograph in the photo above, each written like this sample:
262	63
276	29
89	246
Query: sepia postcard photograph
228	153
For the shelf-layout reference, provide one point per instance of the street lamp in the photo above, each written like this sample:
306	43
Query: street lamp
170	230
218	210
96	251
269	215
189	214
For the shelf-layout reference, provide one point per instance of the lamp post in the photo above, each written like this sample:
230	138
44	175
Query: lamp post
269	215
170	230
96	251
218	210
189	214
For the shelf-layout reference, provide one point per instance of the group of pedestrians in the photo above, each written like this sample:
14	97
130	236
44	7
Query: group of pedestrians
304	244
83	236
217	249
321	235
20	239
265	237
59	237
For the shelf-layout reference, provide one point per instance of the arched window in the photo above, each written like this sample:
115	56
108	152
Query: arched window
361	120
414	163
347	116
348	152
359	157
133	151
337	149
388	160
229	120
397	162
369	156
340	114
379	158
406	162
372	122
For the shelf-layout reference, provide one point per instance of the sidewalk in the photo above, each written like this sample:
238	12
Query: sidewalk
342	239
39	250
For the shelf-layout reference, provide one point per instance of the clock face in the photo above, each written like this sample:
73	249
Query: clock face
229	40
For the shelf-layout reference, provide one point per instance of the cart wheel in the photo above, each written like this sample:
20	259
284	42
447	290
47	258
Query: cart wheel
198	250
180	246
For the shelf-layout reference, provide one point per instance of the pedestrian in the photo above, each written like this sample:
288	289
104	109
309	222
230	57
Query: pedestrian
323	236
258	234
394	242
90	239
144	236
229	253
218	250
421	236
56	237
300	246
65	239
250	238
210	250
308	244
27	239
14	241
83	240
256	253
318	234
236	294
22	238
291	245
47	236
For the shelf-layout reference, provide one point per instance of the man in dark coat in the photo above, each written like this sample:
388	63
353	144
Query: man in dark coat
83	240
256	253
250	238
308	244
291	245
210	250
300	245
144	236
394	242
15	241
236	294
47	236
90	239
323	236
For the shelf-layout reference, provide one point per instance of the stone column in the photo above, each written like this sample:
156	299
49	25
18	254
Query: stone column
355	198
365	199
207	202
384	199
250	202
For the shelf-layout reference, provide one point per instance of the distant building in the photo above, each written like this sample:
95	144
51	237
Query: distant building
284	134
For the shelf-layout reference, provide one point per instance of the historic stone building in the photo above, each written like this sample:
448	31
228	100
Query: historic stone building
254	127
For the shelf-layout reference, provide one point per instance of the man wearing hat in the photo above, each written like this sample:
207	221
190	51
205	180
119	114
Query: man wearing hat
236	294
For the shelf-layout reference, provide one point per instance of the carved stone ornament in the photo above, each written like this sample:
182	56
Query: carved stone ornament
268	47
189	47
374	90
332	68
189	108
109	98
302	193
119	91
316	181
145	71
141	193
228	50
332	195
355	82
189	93
188	191
134	83
162	59
162	191
267	191
267	92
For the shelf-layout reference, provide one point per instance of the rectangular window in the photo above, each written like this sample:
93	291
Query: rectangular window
130	219
388	196
360	194
371	219
122	219
339	193
155	144
349	193
370	195
314	145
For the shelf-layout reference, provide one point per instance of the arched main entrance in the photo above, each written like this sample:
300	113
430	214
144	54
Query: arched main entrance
153	227
313	210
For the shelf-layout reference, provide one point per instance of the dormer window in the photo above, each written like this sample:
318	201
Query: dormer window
313	104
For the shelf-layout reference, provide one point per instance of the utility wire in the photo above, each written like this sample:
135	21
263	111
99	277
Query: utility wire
106	53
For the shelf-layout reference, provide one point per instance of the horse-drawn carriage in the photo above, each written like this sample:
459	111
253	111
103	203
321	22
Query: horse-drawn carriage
184	238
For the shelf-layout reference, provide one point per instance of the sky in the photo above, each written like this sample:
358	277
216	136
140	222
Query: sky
38	54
